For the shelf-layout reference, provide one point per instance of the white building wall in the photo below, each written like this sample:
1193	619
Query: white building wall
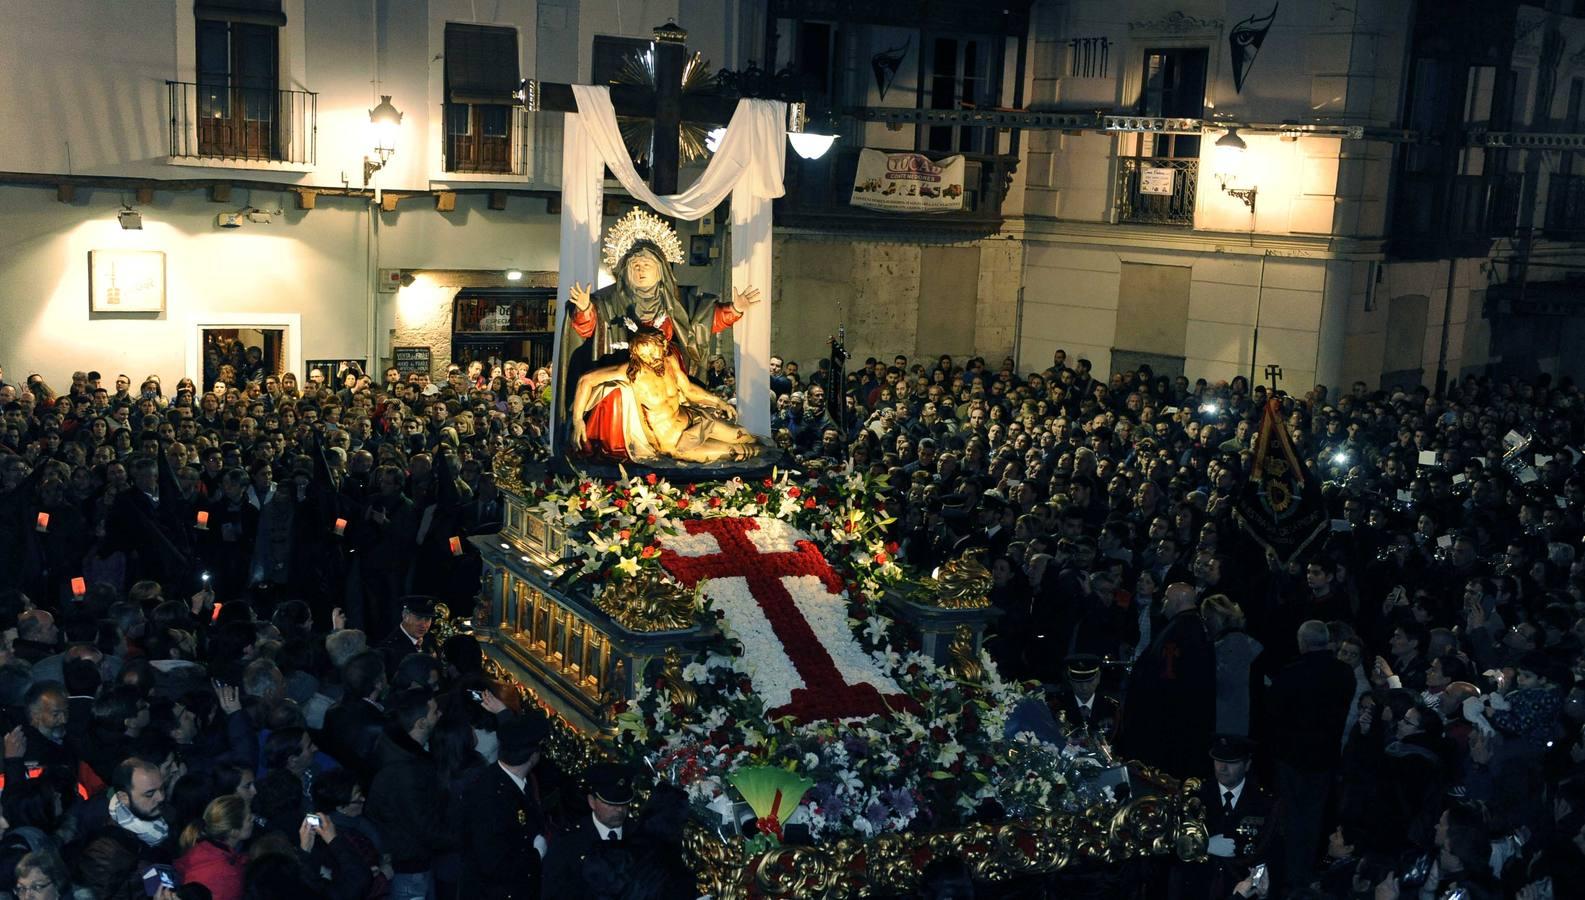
86	95
1321	203
312	262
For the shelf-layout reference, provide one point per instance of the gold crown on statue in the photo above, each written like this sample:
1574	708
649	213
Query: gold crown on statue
640	225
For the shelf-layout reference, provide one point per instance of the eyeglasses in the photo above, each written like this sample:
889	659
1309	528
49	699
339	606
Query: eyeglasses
36	889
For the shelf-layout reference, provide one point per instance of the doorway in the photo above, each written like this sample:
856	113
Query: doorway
492	326
219	340
1403	352
241	355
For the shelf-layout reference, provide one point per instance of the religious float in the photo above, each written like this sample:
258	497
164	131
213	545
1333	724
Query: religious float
682	600
833	718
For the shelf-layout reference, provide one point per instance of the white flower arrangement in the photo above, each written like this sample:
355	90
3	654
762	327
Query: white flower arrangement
933	759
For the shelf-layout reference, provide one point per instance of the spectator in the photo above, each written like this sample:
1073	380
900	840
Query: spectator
212	847
42	875
407	797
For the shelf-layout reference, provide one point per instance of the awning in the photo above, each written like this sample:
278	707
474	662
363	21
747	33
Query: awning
249	12
481	64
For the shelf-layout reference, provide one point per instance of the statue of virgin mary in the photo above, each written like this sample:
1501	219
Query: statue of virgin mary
640	250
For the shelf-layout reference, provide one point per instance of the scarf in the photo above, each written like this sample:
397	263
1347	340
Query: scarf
149	832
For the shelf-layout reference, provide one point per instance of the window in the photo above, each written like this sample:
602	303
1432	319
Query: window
1565	205
503	324
1158	181
960	77
1173	87
814	58
481	79
238	75
612	54
1571	123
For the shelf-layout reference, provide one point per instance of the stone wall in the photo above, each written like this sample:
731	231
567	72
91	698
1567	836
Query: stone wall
422	310
915	298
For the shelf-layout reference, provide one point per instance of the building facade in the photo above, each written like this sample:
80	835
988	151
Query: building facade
1405	207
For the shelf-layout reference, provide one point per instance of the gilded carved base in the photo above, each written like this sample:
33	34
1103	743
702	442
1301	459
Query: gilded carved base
1169	825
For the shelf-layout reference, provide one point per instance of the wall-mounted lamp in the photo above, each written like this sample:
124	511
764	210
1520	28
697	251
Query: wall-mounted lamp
514	275
385	123
1230	153
130	219
808	144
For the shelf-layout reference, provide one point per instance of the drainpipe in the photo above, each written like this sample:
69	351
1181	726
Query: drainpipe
1260	295
1447	313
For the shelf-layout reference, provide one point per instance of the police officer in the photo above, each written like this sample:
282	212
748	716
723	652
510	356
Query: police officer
503	827
1080	706
610	794
413	634
1240	818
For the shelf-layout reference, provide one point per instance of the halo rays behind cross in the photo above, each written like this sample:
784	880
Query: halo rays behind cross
639	133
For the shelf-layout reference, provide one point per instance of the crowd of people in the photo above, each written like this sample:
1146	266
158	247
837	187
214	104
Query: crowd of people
217	606
217	670
1396	711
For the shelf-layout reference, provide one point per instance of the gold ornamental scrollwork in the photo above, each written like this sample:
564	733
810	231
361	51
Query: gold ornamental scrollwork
648	603
1167	825
963	583
508	468
965	664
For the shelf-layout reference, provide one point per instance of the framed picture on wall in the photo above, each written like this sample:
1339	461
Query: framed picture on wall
126	281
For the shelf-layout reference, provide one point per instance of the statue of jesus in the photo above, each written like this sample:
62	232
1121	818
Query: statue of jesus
654	410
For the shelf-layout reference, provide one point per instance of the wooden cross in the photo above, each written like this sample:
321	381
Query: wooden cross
665	104
1274	375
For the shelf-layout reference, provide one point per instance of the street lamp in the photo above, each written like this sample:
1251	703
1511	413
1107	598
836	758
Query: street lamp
808	144
385	123
1230	153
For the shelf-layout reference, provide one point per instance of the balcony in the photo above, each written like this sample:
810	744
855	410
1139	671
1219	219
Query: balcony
1461	215
1156	190
818	192
242	125
494	139
1565	207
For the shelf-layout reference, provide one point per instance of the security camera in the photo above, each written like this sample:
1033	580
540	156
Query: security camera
229	220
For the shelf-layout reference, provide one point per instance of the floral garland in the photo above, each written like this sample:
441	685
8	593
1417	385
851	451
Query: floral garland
939	751
615	525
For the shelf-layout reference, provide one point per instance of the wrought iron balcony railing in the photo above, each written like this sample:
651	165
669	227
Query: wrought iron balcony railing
1565	207
489	139
1156	190
225	122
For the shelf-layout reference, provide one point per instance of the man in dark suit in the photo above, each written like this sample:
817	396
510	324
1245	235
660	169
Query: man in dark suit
412	635
148	522
1308	702
1169	707
1081	709
353	726
610	792
407	798
503	828
1239	817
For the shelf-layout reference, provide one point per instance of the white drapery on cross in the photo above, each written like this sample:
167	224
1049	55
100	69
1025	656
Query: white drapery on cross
748	165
